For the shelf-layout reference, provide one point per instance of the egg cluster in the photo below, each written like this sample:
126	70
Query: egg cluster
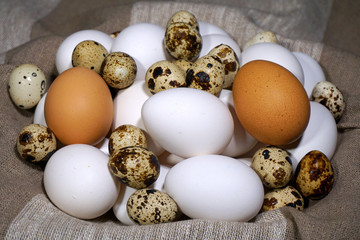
158	123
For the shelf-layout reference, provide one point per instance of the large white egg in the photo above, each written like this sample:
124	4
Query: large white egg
78	181
215	187
39	114
206	28
275	53
188	122
320	134
143	42
241	141
66	48
313	72
213	40
127	110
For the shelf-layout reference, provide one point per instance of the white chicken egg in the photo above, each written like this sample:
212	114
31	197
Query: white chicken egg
39	114
188	122
169	159
241	141
215	187
66	48
78	181
206	28
104	146
274	53
143	42
212	40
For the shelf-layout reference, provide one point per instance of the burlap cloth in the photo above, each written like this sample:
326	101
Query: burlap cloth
26	212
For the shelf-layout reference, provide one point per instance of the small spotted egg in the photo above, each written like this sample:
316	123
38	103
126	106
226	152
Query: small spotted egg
151	206
331	97
164	75
314	175
135	166
118	70
89	54
126	136
185	17
281	197
230	61
207	73
183	64
265	36
182	41
36	143
273	166
27	84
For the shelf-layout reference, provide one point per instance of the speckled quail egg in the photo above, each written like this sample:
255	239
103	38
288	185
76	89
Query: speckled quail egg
151	206
207	73
36	143
331	97
118	70
281	197
183	64
126	136
265	36
182	41
314	175
164	75
230	61
135	166
185	17
27	84
89	54
273	165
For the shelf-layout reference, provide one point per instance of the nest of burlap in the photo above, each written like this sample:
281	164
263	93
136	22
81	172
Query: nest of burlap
27	213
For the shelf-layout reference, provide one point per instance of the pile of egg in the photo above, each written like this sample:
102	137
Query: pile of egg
157	123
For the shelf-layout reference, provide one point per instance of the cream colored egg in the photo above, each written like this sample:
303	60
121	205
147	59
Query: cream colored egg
183	64
185	17
287	196
265	36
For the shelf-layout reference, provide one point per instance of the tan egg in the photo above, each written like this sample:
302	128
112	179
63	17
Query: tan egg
331	97
265	36
126	136
185	17
36	143
164	75
207	73
151	206
287	196
183	64
118	70
314	175
230	61
273	166
182	41
135	166
89	54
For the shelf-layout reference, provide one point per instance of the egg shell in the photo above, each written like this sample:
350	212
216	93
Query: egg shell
215	187
184	16
164	75
36	143
206	28
79	107
207	74
169	159
274	53
270	102
281	197
188	121
104	146
77	180
183	64
264	36
151	206
212	40
26	85
314	176
39	115
66	48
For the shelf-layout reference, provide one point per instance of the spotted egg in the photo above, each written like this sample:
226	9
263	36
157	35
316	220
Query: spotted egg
135	166
151	206
327	94
314	175
207	73
264	36
230	61
164	75
185	17
36	143
183	64
182	41
118	70
281	197
89	54
126	136
273	166
26	85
